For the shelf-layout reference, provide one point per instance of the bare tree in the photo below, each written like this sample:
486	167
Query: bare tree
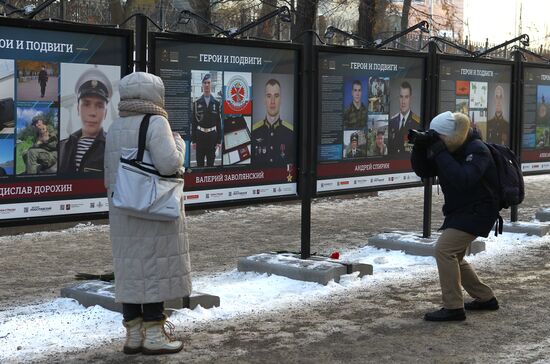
119	11
306	14
267	29
203	9
405	14
367	21
371	18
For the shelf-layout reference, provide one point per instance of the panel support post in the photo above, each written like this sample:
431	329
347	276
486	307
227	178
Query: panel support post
430	106
307	141
516	124
141	43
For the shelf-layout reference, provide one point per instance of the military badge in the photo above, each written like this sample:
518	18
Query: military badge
238	93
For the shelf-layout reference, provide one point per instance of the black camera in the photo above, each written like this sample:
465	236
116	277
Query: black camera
418	137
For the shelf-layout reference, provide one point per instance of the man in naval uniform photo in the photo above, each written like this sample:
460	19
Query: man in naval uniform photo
83	150
401	122
206	133
272	138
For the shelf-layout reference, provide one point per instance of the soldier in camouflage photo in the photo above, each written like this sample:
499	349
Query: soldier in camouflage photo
355	115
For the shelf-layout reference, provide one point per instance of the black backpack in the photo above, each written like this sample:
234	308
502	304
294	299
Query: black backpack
510	190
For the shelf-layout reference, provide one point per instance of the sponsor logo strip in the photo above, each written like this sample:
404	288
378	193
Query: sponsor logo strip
335	184
230	194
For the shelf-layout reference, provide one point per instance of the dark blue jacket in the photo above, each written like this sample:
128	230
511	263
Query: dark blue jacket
465	177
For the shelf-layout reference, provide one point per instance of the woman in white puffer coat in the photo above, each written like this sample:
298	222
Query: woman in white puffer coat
151	258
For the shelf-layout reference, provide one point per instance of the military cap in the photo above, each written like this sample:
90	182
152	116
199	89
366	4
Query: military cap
354	137
93	82
206	77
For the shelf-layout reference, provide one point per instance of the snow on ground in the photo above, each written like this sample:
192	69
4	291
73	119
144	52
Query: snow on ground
62	325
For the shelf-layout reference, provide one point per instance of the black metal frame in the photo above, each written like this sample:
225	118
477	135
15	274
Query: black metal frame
524	66
127	68
192	38
316	130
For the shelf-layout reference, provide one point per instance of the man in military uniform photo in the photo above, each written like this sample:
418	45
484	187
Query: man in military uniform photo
353	150
83	150
41	157
355	115
43	80
206	133
379	148
401	122
497	126
272	138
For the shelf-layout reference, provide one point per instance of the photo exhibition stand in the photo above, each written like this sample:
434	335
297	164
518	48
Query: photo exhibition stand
413	243
304	266
540	227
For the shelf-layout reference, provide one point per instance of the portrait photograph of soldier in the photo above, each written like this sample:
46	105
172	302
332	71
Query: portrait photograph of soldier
378	147
355	109
37	140
379	94
404	111
206	121
88	107
355	144
498	125
37	81
7	99
273	129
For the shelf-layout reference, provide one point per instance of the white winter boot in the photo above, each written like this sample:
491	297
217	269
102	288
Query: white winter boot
157	341
134	336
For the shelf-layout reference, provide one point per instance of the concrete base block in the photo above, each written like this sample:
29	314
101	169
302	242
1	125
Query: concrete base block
543	214
91	293
316	269
529	228
415	244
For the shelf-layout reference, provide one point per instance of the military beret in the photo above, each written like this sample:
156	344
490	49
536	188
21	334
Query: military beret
93	82
206	77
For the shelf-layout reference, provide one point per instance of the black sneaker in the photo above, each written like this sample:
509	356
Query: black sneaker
491	305
446	315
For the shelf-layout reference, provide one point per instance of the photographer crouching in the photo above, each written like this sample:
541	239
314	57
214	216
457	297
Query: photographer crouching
455	153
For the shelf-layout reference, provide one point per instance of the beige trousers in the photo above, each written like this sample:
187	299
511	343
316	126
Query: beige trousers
454	271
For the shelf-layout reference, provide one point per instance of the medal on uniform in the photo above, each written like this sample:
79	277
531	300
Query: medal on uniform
199	112
282	148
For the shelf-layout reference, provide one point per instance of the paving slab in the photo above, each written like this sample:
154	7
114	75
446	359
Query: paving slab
315	269
414	244
96	292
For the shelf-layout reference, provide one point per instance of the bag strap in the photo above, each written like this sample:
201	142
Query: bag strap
142	136
498	225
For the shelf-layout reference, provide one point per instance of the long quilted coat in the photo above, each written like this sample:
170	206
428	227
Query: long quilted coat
151	258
